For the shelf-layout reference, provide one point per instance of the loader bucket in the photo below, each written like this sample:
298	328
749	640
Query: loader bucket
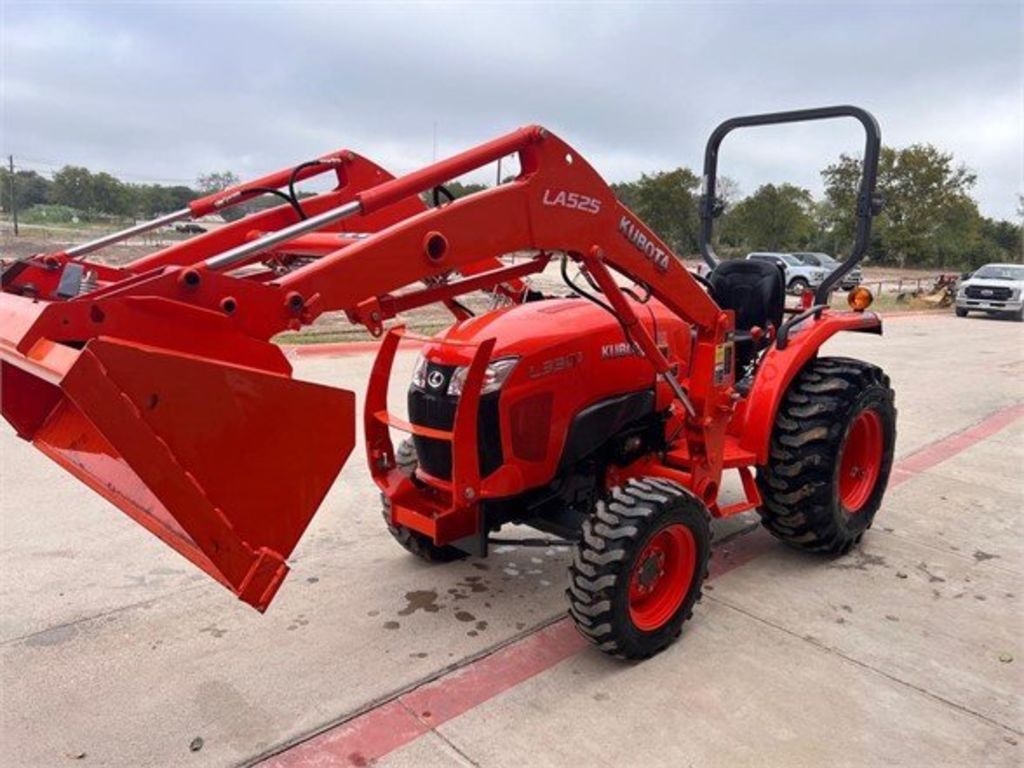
225	463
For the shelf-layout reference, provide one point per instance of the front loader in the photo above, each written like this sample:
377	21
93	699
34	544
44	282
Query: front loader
605	418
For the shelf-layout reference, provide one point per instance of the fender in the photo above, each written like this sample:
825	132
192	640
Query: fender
780	366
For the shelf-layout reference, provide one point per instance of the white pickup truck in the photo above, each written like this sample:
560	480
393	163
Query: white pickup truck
800	277
994	289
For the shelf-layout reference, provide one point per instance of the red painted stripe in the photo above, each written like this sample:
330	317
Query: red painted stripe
466	688
357	742
395	723
935	453
398	722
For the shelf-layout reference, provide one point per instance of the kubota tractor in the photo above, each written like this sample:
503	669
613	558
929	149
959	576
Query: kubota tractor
605	418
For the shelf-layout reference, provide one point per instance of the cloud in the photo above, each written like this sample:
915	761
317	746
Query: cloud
168	91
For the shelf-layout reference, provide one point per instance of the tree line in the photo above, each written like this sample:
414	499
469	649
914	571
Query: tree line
79	192
930	218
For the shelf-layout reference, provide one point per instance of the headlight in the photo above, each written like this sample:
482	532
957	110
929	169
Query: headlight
419	373
494	377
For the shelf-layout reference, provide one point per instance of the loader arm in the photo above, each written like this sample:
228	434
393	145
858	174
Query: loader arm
161	389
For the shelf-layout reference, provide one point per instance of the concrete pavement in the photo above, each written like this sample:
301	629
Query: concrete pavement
906	652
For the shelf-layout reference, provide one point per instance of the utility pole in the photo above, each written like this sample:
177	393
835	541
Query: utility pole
497	183
14	199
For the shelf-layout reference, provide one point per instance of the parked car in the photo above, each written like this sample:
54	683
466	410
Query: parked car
800	277
850	280
189	228
997	289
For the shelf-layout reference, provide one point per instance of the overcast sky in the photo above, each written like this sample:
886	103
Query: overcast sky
166	91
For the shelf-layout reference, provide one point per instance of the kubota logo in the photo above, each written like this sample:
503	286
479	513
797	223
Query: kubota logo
639	240
435	379
572	200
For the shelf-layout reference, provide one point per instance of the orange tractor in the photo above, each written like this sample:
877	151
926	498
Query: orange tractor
605	418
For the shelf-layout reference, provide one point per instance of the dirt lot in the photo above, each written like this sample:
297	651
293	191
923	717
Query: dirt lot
908	651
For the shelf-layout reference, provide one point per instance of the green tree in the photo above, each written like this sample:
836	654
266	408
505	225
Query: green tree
151	200
29	189
458	189
773	218
72	186
666	202
109	195
209	183
929	215
94	193
626	193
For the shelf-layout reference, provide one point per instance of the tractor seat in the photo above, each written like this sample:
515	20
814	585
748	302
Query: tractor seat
755	291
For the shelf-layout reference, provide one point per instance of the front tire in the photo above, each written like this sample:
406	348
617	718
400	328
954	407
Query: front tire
798	286
639	569
831	455
413	541
961	312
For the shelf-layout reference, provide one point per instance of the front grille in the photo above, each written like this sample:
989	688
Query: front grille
433	408
988	293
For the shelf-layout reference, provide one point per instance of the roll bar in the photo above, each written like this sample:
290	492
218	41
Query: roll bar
868	203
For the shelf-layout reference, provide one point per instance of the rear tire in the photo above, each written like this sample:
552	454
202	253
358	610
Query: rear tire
639	568
831	455
413	541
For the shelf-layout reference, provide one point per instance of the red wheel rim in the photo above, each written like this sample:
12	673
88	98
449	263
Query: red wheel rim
860	461
661	577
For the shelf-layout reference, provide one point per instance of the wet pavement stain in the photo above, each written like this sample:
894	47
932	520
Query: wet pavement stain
54	636
932	578
474	584
391	625
980	557
862	563
420	600
213	630
419	655
465	616
481	566
481	626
